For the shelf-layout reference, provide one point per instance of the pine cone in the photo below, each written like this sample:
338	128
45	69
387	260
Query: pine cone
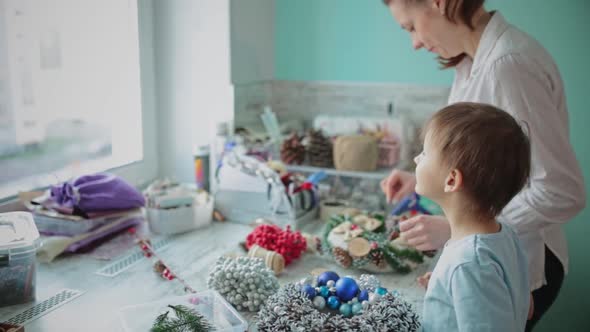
320	150
292	151
342	257
377	258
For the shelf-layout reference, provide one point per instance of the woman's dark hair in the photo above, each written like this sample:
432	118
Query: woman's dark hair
455	11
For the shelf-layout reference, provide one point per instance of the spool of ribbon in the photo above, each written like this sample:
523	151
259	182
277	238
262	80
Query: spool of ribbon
272	259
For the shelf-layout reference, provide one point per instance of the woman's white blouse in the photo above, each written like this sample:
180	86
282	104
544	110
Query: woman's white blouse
514	72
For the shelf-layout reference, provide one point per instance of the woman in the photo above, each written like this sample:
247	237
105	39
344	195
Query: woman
495	63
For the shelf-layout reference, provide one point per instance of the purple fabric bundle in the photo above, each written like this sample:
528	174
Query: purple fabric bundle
97	192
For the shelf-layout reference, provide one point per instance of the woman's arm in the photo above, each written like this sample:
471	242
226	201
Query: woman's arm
556	191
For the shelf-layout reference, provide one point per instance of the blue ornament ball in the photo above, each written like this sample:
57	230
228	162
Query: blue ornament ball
309	291
346	310
324	291
356	308
346	289
381	290
333	302
327	276
364	295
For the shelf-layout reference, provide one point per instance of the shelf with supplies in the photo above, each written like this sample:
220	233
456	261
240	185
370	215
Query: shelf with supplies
375	175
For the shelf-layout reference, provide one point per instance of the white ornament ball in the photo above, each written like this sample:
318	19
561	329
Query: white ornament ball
365	304
319	302
373	297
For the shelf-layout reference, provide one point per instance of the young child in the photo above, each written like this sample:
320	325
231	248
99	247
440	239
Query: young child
476	158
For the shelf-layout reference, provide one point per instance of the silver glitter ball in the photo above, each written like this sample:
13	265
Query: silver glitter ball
368	282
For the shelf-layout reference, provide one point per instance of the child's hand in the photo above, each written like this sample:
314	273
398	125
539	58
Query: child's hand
425	232
424	279
531	308
397	185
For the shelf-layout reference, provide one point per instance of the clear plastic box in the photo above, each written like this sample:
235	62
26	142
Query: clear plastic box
140	318
18	263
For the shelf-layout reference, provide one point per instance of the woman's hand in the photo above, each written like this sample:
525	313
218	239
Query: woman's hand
425	232
398	185
424	279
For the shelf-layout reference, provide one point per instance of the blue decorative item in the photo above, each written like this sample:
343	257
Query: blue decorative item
364	295
409	203
319	302
356	308
346	310
395	293
309	291
324	291
381	290
333	302
327	276
346	289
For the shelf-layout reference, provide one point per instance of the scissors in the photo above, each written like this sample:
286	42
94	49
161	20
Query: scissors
409	203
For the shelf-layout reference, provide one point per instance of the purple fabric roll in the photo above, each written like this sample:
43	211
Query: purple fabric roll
97	192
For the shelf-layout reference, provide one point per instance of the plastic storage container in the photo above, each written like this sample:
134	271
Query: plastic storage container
180	219
18	246
220	314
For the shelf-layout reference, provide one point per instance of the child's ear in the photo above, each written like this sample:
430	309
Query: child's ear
439	5
454	181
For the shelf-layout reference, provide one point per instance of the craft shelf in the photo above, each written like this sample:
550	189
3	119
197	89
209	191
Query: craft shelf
376	175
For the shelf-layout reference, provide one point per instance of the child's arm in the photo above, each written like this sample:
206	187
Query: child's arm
482	300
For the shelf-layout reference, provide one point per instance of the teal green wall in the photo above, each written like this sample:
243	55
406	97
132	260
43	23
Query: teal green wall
357	40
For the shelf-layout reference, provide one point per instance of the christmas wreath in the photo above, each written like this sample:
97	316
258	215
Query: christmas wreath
336	304
368	241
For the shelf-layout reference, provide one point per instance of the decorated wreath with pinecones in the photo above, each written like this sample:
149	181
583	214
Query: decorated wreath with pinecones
365	242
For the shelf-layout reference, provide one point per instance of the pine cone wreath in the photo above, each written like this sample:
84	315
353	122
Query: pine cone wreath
319	149
342	257
292	150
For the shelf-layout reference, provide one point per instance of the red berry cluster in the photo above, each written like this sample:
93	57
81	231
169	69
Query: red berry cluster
285	242
166	274
144	245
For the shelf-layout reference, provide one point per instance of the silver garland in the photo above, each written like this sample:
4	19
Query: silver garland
244	282
290	310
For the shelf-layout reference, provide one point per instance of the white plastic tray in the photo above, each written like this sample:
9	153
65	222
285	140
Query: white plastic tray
140	318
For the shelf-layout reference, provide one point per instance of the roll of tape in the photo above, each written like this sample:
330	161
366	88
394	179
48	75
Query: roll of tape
331	207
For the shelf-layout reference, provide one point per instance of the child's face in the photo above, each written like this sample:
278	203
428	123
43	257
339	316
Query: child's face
430	172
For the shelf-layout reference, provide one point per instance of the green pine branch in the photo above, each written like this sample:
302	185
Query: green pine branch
187	320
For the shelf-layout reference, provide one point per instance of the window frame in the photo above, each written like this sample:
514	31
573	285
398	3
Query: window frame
141	172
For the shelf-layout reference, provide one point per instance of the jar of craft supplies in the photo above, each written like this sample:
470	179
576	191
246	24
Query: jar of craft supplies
202	167
18	266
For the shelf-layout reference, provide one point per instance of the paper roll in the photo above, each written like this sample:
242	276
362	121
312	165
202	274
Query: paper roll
273	260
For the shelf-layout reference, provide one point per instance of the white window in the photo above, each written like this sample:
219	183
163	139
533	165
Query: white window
71	91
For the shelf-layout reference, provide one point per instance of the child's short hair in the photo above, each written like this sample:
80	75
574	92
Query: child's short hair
490	149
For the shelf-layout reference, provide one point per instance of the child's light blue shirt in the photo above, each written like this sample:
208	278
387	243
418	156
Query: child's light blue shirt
480	283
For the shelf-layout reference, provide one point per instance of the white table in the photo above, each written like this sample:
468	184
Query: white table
191	255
